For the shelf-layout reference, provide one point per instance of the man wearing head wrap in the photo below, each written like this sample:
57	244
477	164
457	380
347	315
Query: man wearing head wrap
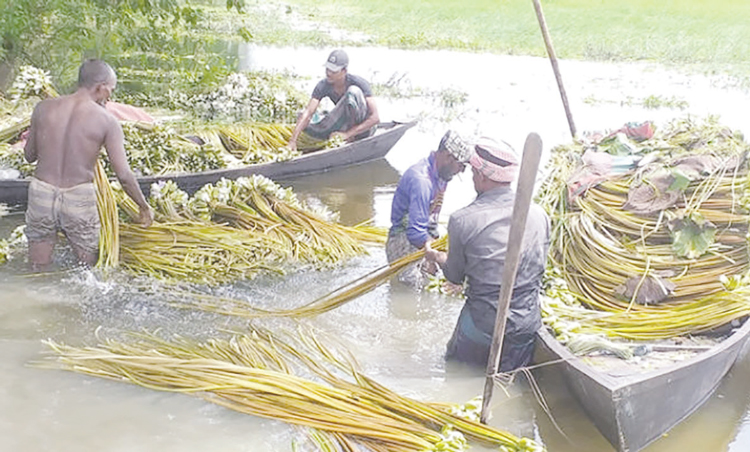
355	115
478	241
418	200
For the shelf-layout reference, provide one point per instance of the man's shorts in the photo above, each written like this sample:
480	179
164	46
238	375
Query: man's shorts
71	210
398	246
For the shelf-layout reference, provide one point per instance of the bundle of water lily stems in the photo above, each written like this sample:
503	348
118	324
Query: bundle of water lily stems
254	142
332	300
229	231
649	232
254	374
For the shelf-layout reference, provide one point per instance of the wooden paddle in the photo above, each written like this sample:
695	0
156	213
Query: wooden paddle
532	153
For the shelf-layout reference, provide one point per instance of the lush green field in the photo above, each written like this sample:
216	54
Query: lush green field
715	35
175	43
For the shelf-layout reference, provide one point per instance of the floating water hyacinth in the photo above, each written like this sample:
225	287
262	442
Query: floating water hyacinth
14	246
240	98
4	251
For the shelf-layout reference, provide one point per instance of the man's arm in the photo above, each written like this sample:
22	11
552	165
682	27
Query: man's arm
419	212
114	143
372	119
303	121
29	149
454	264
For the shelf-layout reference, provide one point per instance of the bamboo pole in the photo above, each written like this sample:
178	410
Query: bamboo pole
532	153
555	68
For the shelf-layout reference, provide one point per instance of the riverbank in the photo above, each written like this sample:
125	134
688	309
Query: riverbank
691	34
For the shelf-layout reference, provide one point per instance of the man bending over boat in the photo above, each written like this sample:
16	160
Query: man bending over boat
418	200
355	115
478	241
65	137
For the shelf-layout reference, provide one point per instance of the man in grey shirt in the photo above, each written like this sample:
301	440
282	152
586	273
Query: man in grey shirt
478	236
355	115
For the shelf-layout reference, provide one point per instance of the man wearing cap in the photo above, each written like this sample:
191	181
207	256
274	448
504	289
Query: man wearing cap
355	114
418	200
478	241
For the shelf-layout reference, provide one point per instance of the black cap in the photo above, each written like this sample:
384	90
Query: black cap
337	60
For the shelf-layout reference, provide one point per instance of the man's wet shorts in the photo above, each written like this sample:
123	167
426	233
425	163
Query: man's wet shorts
71	210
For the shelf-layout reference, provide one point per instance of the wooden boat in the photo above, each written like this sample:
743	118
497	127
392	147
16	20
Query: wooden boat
14	191
634	409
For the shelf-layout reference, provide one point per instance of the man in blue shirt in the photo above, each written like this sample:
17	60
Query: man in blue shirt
418	200
355	114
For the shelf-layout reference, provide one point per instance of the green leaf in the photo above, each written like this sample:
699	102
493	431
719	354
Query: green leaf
692	236
681	181
245	34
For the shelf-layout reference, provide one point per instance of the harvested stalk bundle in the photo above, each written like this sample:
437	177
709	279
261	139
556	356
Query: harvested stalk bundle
196	252
109	234
644	238
11	129
217	237
328	302
254	142
157	149
258	204
253	374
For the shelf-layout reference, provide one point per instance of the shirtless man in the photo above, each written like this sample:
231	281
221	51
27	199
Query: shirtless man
65	138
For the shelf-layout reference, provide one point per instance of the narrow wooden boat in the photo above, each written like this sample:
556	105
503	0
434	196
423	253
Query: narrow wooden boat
13	191
634	409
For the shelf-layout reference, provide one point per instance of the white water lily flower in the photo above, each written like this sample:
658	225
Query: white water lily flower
31	81
156	190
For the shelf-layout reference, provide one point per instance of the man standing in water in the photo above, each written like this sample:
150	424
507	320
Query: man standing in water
418	200
355	114
478	236
65	137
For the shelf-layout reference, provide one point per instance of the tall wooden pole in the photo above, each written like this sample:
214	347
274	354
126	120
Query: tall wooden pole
555	68
532	154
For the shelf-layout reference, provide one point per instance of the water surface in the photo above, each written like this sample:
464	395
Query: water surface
397	335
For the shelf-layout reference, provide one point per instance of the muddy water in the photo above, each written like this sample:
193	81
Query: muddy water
397	335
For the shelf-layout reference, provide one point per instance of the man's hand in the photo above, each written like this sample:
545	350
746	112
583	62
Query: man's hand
429	266
452	289
292	145
432	255
145	216
344	136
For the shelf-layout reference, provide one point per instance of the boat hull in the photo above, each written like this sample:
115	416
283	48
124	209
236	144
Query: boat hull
632	411
14	191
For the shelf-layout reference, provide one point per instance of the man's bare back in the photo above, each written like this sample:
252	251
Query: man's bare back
65	138
67	134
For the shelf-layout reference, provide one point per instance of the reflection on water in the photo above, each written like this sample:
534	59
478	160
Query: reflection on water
352	191
398	336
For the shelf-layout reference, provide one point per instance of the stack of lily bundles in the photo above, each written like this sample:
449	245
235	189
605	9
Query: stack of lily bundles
649	232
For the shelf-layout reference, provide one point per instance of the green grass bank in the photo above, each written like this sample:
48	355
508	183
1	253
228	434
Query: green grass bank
700	34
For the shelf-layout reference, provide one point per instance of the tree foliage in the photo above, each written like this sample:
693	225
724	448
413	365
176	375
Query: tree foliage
148	34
